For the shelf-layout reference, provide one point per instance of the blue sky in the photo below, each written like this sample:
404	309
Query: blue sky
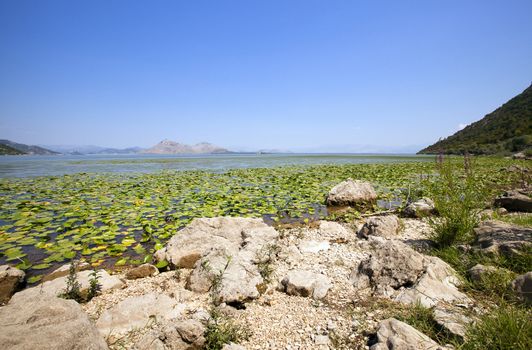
300	75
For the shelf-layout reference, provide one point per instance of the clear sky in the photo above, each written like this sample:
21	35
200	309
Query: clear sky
301	75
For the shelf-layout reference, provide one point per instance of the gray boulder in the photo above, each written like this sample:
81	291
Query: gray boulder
10	279
451	319
135	312
479	271
224	254
522	285
58	285
497	237
352	193
383	226
516	200
393	334
231	277
181	334
397	271
305	284
421	208
519	155
65	270
142	271
48	323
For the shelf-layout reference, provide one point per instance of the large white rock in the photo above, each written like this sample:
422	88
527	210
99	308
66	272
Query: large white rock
334	231
393	334
47	323
397	271
421	208
202	235
306	284
58	285
135	312
65	270
383	226
224	253
181	334
352	193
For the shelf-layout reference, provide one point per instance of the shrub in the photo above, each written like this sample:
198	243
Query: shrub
222	330
458	198
94	285
73	287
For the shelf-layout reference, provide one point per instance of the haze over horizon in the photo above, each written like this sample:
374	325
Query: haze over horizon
313	76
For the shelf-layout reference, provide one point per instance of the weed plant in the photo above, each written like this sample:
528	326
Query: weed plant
73	287
458	198
508	327
223	330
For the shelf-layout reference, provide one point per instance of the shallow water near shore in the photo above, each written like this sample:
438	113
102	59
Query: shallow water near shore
27	166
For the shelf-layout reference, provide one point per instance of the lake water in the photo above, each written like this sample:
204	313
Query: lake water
27	166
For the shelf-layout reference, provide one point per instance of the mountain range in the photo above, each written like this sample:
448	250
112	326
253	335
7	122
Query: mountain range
172	147
164	147
507	129
13	148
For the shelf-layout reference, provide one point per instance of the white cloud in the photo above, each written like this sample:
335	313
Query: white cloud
461	126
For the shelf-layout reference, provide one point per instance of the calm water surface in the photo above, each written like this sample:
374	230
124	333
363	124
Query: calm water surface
26	166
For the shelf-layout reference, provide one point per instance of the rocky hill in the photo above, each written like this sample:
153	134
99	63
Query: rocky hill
7	150
507	129
172	147
9	146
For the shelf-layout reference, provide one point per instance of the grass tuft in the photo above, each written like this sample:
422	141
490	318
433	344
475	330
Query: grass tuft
223	330
506	328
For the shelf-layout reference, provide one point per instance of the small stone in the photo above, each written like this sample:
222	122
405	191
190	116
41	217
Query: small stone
321	340
142	271
522	285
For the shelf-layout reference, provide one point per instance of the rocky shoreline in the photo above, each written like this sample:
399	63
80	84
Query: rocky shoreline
321	285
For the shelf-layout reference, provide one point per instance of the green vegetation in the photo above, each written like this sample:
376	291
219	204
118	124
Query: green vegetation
421	318
94	285
506	130
222	330
8	150
521	219
506	327
122	219
9	146
73	287
458	199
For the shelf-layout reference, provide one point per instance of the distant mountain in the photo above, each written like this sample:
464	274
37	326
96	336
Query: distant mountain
507	129
89	149
7	150
172	147
272	151
25	149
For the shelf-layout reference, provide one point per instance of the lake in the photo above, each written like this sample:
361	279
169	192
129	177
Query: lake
28	166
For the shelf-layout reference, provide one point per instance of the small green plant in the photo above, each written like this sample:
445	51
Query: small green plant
216	277
458	198
94	285
222	330
521	219
73	287
266	257
507	327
